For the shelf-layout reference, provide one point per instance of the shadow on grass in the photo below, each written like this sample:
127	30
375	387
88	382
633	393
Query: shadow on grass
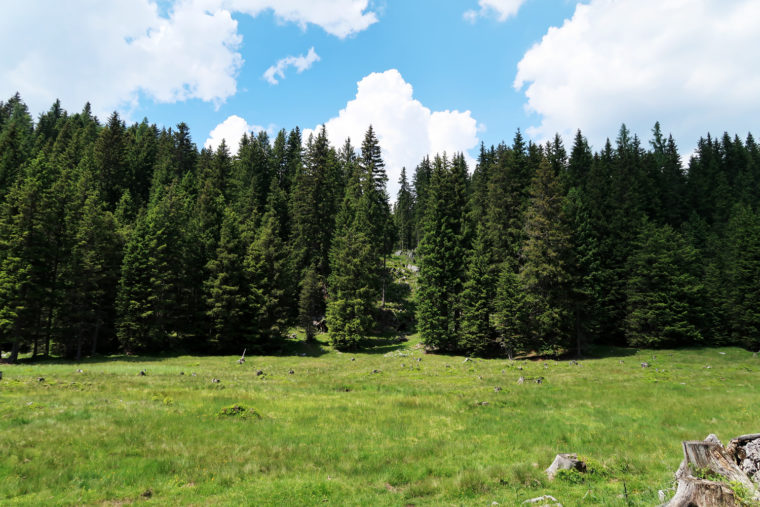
287	347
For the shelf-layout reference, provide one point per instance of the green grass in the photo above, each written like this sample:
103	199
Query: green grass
333	432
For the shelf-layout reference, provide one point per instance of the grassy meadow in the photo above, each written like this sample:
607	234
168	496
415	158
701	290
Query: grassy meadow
389	426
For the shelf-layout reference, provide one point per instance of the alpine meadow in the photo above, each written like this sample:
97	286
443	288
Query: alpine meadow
403	305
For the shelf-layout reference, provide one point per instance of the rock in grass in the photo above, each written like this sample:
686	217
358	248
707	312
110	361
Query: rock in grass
547	500
565	462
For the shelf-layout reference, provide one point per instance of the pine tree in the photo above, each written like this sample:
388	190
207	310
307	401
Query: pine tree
441	271
110	159
152	299
664	291
354	263
403	213
311	302
21	288
373	180
478	334
90	275
510	309
421	183
228	302
742	305
266	268
584	268
580	162
16	142
313	206
544	273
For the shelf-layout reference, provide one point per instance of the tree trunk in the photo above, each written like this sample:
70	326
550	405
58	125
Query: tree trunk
385	275
708	474
14	351
95	339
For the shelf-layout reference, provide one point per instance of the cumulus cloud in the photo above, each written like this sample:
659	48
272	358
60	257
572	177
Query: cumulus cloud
406	129
118	52
502	9
686	63
231	131
301	63
340	18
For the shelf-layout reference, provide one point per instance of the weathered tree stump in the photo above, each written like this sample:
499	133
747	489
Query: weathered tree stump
710	474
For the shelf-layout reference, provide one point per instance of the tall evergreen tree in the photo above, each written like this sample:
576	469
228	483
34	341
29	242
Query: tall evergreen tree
664	291
441	271
403	213
544	272
478	333
742	305
354	269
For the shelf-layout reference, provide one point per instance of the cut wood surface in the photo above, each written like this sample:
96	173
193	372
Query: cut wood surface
710	476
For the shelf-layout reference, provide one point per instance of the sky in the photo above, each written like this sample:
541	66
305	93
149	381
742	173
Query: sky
429	75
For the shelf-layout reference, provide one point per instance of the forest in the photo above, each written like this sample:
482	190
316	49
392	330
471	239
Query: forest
128	238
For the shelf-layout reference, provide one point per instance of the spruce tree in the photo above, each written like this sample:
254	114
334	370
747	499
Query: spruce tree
269	278
354	264
403	213
742	304
229	305
441	270
664	291
544	272
311	302
478	334
510	318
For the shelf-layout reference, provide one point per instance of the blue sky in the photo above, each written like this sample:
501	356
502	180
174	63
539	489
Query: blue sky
450	62
430	75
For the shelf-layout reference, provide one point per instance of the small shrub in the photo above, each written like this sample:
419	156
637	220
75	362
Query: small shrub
238	411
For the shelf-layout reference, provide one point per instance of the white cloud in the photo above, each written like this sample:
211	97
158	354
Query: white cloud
686	63
118	52
301	63
406	129
340	18
231	131
502	9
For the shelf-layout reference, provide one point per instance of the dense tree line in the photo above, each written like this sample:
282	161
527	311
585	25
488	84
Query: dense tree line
622	246
117	237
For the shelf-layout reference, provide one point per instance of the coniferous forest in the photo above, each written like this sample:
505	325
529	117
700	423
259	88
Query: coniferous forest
128	238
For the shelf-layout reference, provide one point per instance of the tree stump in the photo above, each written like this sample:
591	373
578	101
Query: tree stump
709	475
